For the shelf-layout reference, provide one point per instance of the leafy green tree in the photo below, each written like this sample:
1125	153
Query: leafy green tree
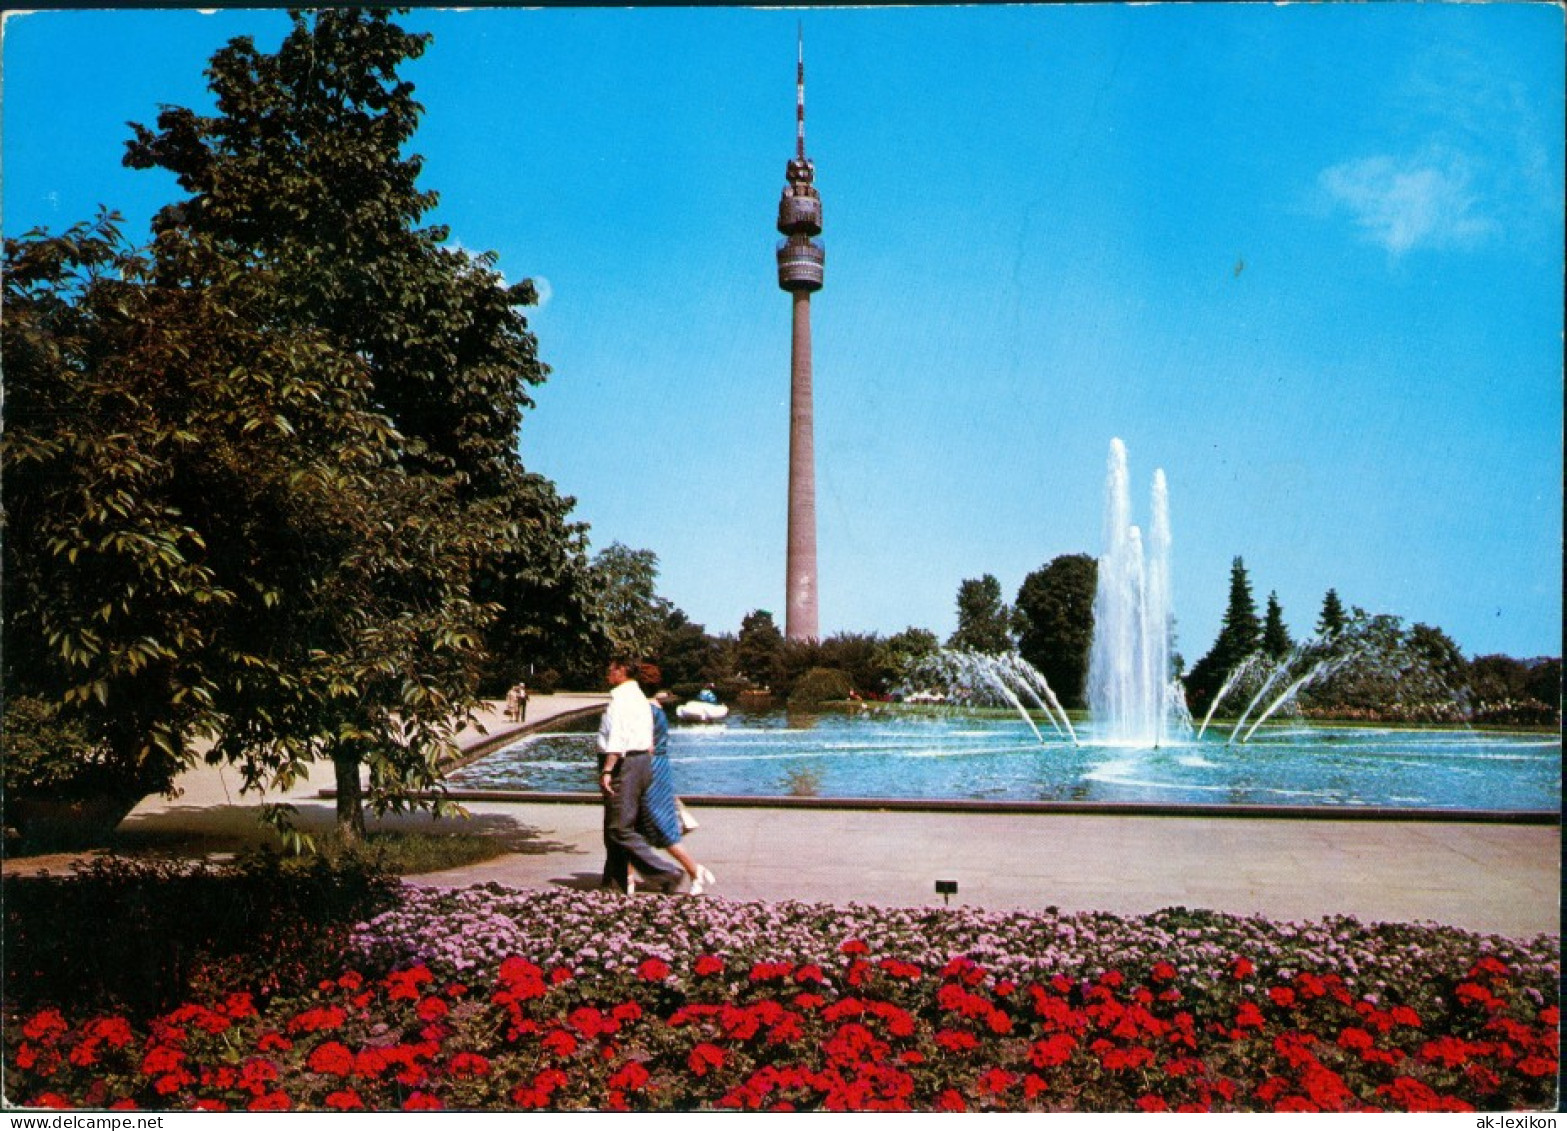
984	620
1055	606
759	654
632	613
688	654
1276	640
301	175
1332	619
208	530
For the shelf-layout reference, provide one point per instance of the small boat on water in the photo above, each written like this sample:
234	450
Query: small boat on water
698	711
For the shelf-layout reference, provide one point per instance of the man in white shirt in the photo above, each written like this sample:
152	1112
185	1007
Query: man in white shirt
625	768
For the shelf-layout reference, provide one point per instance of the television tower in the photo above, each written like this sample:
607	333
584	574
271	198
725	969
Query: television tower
801	261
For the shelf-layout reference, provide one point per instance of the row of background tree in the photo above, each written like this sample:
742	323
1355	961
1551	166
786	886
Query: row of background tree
1413	672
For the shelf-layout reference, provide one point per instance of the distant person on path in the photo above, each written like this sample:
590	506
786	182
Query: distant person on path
517	702
625	770
660	821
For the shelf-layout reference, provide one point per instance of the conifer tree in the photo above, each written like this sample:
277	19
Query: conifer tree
1276	640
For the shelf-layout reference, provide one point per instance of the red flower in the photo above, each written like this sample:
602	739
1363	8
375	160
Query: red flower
632	1076
271	1101
161	1059
560	974
1326	1088
1248	1016
1490	965
273	1042
45	1027
331	1059
1403	1015
468	1064
1034	1086
996	1081
1410	1094
421	1101
239	1006
560	1042
626	1012
950	1100
1282	996
707	965
653	970
255	1074
351	981
854	946
1163	972
955	1041
1151	1102
1242	968
403	985
1535	1065
1356	1039
705	1058
1118	1060
51	1100
810	973
321	1019
900	969
432	1009
1053	1050
1111	978
346	1100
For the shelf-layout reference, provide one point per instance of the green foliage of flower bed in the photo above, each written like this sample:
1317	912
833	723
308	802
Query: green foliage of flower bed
489	999
143	934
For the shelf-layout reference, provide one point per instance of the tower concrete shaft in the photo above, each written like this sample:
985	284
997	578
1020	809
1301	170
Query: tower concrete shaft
800	615
801	264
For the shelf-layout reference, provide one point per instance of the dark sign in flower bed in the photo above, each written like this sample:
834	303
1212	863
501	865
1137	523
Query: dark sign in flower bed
494	999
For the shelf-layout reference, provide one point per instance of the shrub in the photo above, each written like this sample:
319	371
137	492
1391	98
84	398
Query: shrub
62	789
820	685
143	933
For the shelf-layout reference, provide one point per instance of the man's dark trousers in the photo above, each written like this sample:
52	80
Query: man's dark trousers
623	844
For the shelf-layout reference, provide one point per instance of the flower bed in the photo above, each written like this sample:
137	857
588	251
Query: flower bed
495	999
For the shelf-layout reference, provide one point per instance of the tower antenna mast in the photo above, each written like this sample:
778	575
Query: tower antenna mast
801	262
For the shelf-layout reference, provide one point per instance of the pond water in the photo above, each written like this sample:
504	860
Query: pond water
991	757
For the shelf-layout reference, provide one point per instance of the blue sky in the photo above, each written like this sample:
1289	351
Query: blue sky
1307	259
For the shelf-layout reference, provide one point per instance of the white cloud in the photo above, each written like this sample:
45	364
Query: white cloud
1403	203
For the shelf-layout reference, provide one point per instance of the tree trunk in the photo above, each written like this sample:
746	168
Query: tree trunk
350	796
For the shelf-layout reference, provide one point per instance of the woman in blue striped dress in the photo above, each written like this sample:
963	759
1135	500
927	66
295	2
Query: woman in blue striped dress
659	821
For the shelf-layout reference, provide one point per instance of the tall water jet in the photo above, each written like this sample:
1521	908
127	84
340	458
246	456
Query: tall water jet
1129	676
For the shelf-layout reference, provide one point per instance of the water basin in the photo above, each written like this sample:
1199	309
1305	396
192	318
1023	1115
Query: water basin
976	756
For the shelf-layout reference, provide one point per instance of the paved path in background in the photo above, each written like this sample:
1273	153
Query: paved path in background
1494	878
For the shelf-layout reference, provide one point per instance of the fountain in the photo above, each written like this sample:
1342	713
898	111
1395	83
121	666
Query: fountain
1133	696
1007	676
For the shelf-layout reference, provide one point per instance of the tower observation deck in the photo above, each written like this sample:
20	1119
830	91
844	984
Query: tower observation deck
801	262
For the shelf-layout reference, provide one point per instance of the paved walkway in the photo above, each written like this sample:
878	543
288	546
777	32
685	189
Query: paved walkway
1494	878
